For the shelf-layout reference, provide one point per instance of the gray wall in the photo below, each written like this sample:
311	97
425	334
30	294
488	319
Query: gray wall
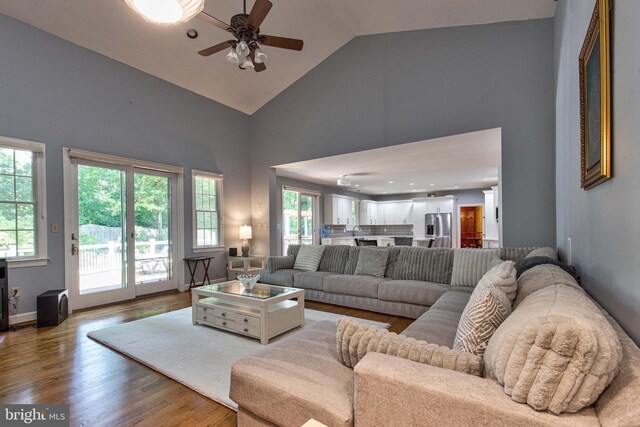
602	222
54	92
390	89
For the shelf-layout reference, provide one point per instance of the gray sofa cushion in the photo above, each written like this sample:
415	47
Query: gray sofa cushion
540	277
296	379
275	263
308	258
411	291
516	254
372	262
359	286
310	279
425	264
469	265
293	250
352	260
545	251
281	277
334	258
440	323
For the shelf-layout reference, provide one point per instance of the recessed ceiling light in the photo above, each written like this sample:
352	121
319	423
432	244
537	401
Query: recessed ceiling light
192	33
411	183
456	187
384	192
414	190
357	185
485	179
432	185
390	182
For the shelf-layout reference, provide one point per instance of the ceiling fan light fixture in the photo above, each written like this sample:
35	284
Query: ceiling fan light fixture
344	181
260	56
246	63
232	56
242	49
166	12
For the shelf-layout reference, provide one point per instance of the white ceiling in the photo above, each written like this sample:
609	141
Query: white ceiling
469	160
109	27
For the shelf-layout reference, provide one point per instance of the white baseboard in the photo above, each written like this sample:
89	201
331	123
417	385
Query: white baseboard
22	317
185	287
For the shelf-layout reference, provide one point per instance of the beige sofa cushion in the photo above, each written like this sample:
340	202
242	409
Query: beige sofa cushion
469	265
545	251
541	276
556	351
487	308
354	340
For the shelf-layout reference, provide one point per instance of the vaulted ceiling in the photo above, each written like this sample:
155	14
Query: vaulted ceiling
110	28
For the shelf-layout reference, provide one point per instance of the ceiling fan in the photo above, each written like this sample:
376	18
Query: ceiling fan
245	49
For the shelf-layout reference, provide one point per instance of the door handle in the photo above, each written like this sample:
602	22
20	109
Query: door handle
74	249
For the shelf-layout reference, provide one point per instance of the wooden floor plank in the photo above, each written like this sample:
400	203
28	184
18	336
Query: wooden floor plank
62	365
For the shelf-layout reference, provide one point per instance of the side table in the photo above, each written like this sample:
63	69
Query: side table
242	265
192	264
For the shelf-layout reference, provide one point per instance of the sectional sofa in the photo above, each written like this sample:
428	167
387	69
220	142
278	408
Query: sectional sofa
300	378
414	279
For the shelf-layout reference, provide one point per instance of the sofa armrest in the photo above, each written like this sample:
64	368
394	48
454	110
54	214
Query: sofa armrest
275	263
393	391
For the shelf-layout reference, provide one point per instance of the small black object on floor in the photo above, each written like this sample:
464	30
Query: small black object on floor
53	307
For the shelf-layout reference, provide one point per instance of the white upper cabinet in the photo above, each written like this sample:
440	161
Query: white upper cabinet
440	205
368	212
395	213
339	210
418	212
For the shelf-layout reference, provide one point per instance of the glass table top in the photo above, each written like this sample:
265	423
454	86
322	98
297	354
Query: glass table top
259	291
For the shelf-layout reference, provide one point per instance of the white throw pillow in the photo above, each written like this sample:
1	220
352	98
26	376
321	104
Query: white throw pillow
308	258
502	275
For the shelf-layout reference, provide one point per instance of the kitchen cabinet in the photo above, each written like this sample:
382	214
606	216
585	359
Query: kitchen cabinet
349	241
418	212
440	205
339	210
490	219
368	212
395	213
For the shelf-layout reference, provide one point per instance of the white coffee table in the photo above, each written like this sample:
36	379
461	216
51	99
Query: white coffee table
263	313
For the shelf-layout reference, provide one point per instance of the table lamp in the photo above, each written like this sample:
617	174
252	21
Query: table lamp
245	234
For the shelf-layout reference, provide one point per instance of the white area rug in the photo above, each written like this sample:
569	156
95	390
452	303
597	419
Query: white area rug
199	357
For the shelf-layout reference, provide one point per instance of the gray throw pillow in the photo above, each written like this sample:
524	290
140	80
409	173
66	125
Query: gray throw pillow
469	265
372	262
308	258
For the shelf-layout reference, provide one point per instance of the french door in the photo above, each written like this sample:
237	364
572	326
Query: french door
298	218
122	232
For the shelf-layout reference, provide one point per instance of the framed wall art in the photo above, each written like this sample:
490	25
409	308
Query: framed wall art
595	99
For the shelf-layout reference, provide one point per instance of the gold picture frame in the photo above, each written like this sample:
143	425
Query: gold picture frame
595	99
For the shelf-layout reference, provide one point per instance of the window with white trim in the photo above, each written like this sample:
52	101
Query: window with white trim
207	208
22	201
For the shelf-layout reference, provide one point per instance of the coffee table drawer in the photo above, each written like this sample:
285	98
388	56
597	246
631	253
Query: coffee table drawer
224	313
254	331
204	313
247	321
224	323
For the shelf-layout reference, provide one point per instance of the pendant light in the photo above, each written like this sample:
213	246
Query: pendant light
166	12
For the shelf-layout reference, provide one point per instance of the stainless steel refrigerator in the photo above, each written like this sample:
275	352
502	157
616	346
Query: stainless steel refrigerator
438	225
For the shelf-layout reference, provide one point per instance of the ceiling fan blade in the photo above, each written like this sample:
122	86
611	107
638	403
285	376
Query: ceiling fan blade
281	42
258	13
257	66
215	49
213	21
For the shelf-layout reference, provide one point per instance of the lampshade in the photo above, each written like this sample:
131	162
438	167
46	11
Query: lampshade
245	232
247	63
242	49
166	12
232	56
259	55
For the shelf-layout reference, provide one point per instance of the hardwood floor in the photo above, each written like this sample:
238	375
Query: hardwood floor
104	388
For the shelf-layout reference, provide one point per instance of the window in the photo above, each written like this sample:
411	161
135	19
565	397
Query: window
207	208
22	202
